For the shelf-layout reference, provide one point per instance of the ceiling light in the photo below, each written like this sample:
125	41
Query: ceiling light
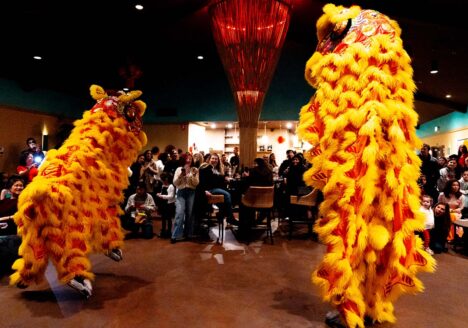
434	67
125	89
229	126
200	57
213	125
288	125
448	96
139	7
37	57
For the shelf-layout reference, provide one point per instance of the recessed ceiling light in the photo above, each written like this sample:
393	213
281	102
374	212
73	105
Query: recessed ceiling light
200	57
448	96
139	7
434	67
37	57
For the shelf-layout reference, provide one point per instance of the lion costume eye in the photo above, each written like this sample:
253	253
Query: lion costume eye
130	113
340	30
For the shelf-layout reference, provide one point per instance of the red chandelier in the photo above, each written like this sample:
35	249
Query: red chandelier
249	35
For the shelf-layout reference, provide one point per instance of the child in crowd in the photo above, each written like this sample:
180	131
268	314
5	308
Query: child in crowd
426	203
464	190
166	204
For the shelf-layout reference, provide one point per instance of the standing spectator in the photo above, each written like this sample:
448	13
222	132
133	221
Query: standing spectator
155	153
274	166
455	200
185	180
426	203
135	178
286	163
464	190
462	156
235	161
227	166
173	163
34	149
166	204
430	169
447	173
150	174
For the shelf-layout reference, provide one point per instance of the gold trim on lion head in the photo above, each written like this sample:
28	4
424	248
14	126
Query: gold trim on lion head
120	104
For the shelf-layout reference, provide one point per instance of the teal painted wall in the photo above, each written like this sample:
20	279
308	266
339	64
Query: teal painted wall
446	123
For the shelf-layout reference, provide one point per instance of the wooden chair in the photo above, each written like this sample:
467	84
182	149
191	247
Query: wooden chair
310	201
217	199
259	198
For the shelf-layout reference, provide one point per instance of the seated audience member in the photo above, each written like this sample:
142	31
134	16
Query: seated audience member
259	175
441	228
213	182
166	204
139	209
9	240
28	167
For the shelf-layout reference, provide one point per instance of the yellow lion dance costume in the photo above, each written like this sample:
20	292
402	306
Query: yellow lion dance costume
72	207
361	124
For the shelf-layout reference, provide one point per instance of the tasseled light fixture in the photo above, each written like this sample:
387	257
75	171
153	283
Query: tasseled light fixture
249	35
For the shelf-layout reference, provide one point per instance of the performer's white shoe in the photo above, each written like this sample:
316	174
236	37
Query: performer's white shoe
115	254
82	285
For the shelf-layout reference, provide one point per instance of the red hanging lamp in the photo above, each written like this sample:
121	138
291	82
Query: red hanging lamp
249	35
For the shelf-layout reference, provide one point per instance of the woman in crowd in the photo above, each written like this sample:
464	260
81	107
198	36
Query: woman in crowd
150	174
213	182
185	180
27	168
442	223
455	200
9	240
462	156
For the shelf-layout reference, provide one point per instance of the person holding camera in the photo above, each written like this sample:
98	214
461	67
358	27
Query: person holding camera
28	167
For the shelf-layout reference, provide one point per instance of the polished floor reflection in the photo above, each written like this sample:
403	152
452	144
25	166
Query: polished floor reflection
203	284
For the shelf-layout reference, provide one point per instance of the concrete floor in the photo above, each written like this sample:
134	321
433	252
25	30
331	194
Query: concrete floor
195	284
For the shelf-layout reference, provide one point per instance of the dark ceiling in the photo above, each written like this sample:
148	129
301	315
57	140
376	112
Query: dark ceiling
84	42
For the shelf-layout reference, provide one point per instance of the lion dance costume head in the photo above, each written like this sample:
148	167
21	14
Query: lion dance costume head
72	207
361	124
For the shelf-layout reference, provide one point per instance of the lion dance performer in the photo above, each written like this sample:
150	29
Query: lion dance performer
72	207
361	124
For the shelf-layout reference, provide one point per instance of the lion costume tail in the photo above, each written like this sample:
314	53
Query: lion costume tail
40	207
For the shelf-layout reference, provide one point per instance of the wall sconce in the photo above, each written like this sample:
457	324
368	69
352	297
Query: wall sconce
434	67
45	138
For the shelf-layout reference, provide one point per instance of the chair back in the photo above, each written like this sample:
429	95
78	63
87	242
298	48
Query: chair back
307	200
259	197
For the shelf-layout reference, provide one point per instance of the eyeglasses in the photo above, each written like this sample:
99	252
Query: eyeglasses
31	142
